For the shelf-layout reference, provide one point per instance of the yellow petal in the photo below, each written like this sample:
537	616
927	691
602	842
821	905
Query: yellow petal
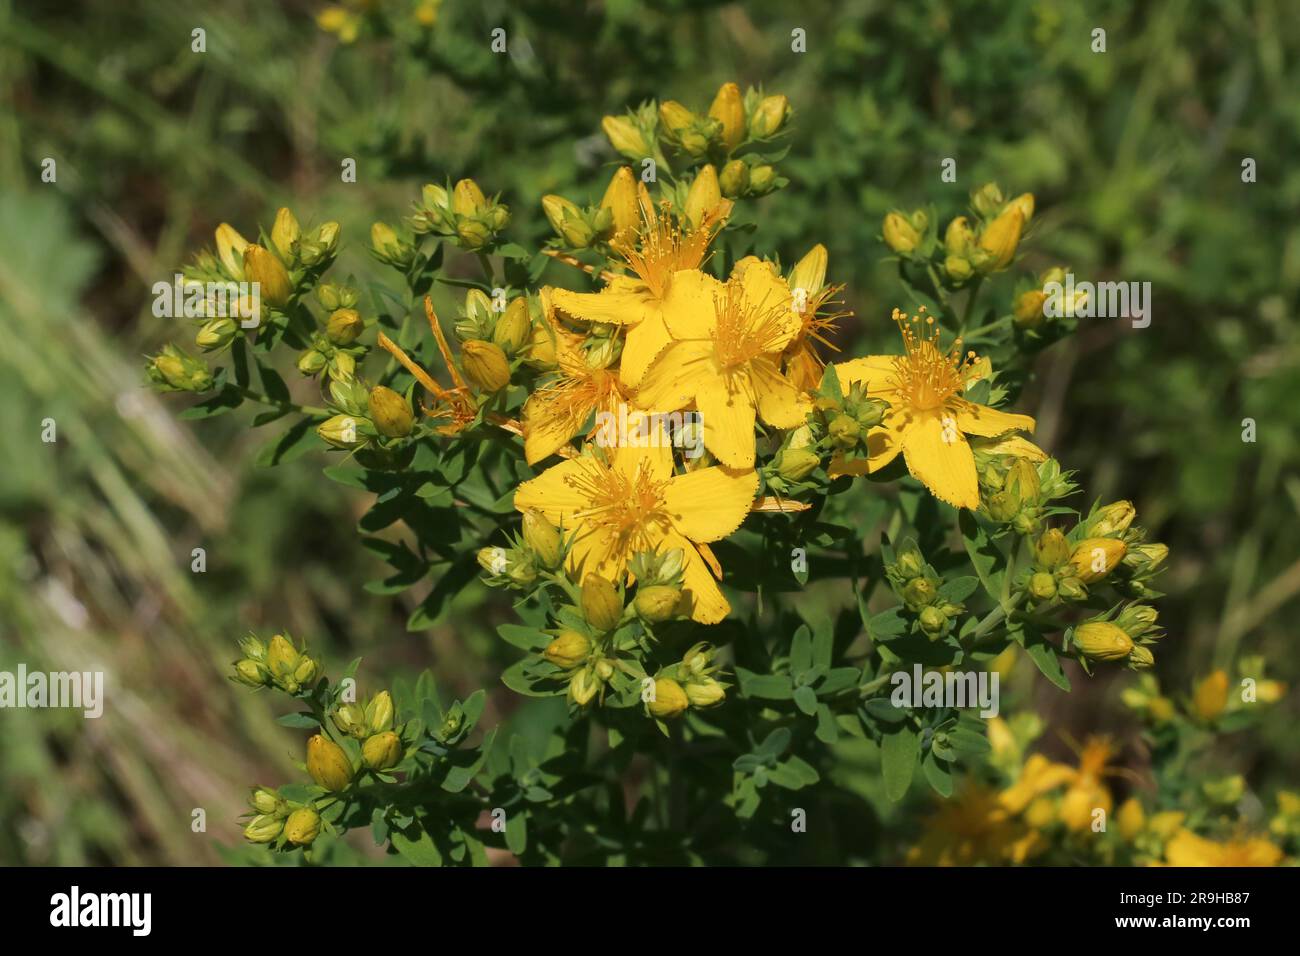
1013	445
709	504
624	301
644	453
987	422
768	295
642	346
701	597
545	429
671	380
883	445
595	550
727	410
937	454
780	404
875	371
553	492
688	308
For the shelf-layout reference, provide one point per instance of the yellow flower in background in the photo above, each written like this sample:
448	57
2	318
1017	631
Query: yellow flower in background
928	419
615	503
664	247
725	355
1210	697
1188	849
973	827
557	411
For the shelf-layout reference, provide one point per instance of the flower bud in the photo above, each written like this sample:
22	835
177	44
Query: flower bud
1071	589
281	656
1051	550
1210	698
987	200
704	195
583	686
379	713
265	800
762	179
933	622
467	199
1000	239
734	178
543	538
1131	818
1102	641
328	764
625	136
305	672
311	362
513	327
809	273
1022	481
343	326
230	250
769	116
899	234
216	334
252	673
957	268
1094	558
1029	308
1042	586
350	719
910	564
568	221
1024	204
387	245
675	117
958	237
670	699
601	603
844	431
1141	658
622	201
390	412
261	266
1114	518
728	108
341	431
656	603
284	234
569	650
174	369
705	693
485	365
919	591
263	828
796	464
473	234
541	353
302	827
434	197
382	751
1146	558
494	560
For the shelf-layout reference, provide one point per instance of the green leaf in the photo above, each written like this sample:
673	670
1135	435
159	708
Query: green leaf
806	700
765	686
299	439
1044	656
419	851
899	751
984	554
529	638
938	774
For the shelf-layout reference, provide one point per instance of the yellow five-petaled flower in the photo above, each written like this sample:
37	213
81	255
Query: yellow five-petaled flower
928	419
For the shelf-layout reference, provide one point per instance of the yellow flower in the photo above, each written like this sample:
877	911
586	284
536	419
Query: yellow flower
803	366
1210	697
972	827
928	419
616	503
557	411
663	248
1188	849
725	355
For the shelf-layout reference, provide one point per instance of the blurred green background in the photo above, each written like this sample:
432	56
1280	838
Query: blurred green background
1134	156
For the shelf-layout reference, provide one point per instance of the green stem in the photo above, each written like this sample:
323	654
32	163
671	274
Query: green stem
314	411
970	303
995	324
995	616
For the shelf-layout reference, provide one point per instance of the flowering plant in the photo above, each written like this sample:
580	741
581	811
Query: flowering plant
746	565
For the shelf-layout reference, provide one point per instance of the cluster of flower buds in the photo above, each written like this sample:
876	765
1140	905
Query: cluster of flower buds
690	683
274	819
1017	491
969	249
659	578
277	664
921	589
1125	636
537	548
333	350
372	725
719	137
491	338
374	417
175	370
793	468
461	213
1030	311
843	419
